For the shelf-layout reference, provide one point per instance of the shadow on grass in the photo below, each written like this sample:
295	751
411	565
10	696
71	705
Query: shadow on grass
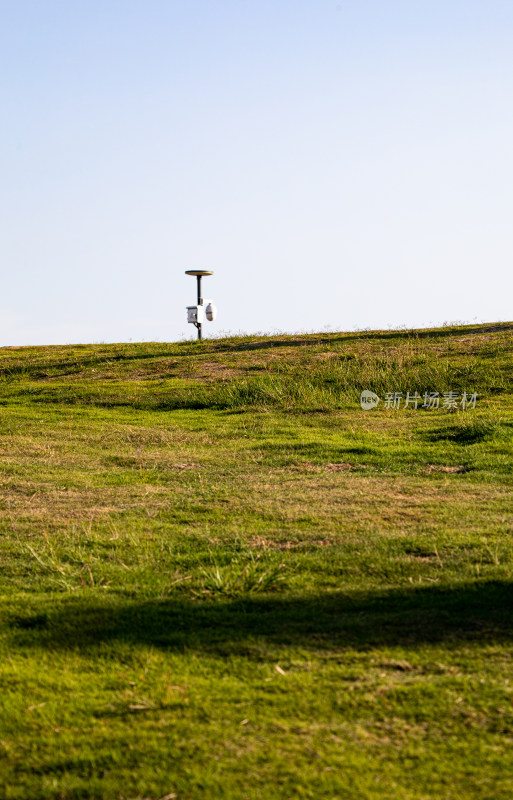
174	402
468	431
63	368
314	339
479	612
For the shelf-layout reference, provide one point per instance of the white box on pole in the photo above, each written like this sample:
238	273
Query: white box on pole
195	313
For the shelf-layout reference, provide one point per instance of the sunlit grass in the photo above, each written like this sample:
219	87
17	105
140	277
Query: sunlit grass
221	578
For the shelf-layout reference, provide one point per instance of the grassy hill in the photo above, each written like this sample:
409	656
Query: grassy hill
221	578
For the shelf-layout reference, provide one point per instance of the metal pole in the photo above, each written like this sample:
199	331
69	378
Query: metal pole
200	303
199	273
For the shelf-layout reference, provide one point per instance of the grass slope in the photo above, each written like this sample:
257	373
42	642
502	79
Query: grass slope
220	578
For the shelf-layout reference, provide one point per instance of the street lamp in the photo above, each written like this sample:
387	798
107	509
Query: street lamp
197	313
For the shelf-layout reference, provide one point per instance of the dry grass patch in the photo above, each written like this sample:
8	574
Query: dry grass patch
446	468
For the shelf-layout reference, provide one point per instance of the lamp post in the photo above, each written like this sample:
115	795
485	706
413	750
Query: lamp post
197	313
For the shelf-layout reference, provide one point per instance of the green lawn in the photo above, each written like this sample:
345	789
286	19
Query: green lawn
221	578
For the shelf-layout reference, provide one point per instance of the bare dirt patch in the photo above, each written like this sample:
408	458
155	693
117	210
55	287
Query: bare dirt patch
261	542
309	466
444	468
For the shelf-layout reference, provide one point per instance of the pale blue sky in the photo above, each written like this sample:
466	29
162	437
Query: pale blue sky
339	164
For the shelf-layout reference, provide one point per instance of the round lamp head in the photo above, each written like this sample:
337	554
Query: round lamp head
199	272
